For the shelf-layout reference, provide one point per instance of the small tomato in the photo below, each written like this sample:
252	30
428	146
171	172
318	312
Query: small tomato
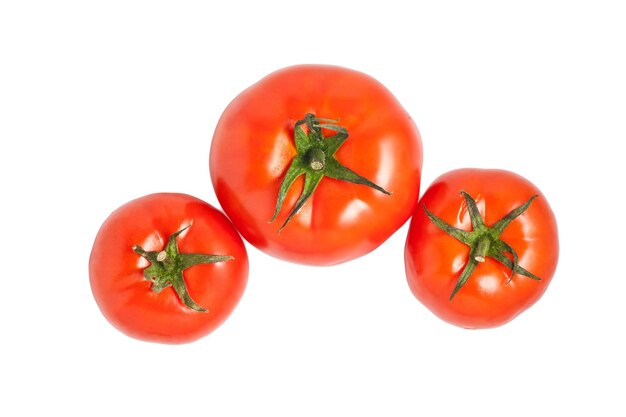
482	247
167	268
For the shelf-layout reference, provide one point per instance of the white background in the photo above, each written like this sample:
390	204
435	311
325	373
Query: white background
103	102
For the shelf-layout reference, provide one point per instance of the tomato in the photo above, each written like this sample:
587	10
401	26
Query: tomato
316	164
167	268
482	247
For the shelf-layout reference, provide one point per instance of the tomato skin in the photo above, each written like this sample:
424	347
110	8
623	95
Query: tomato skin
434	260
125	297
253	146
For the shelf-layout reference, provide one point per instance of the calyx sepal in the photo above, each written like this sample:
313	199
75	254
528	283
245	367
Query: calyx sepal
484	241
315	160
167	266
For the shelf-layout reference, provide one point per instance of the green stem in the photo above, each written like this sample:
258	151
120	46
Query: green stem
484	241
482	248
167	266
168	263
315	160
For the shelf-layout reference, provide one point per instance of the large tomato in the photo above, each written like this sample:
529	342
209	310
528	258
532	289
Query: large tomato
316	164
482	247
167	268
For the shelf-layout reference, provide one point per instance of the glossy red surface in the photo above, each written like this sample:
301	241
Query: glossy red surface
253	146
125	296
434	260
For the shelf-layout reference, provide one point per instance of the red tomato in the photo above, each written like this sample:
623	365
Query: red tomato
167	268
469	283
353	153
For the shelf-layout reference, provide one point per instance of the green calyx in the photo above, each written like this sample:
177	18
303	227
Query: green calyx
484	241
167	266
315	160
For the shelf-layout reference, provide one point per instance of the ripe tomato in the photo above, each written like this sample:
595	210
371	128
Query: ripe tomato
167	268
316	164
461	249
